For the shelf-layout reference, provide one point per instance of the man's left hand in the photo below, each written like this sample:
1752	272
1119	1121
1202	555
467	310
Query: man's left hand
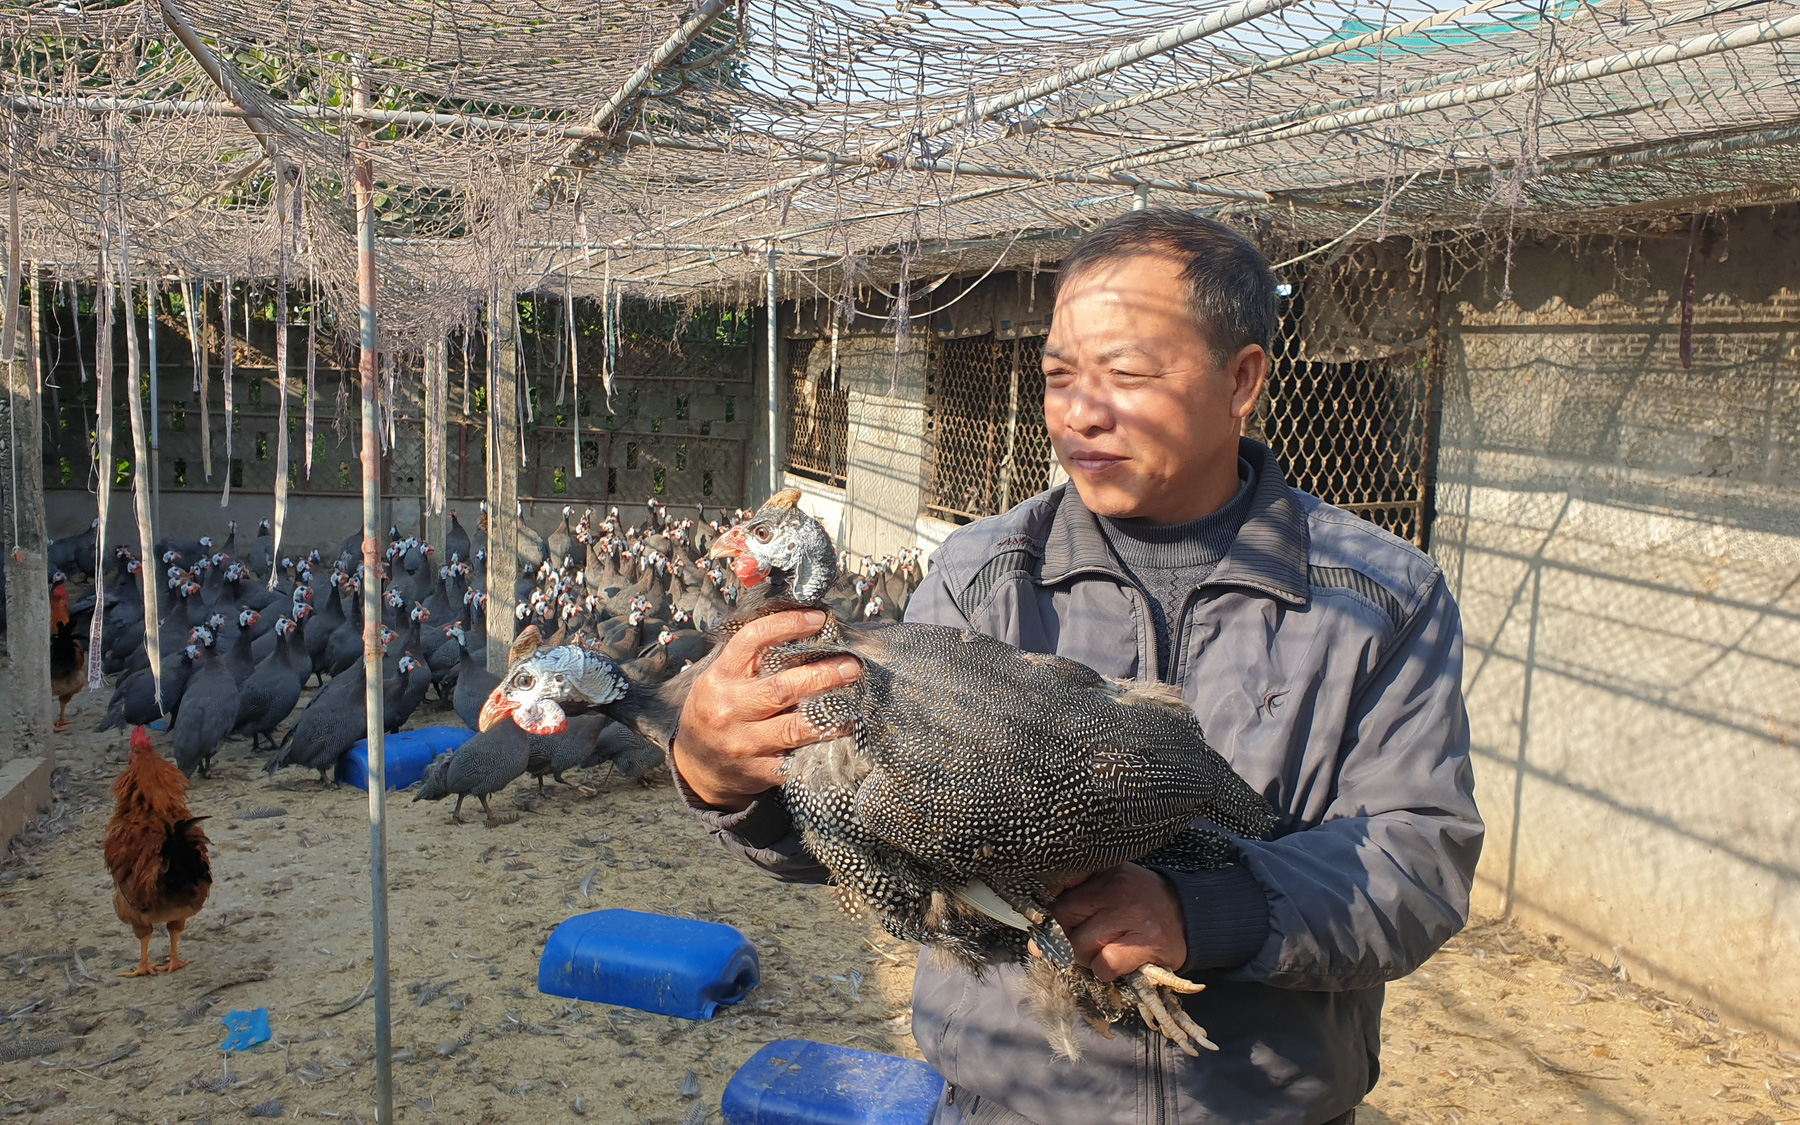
1123	919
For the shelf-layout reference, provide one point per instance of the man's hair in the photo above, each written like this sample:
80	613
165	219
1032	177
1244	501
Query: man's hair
1231	290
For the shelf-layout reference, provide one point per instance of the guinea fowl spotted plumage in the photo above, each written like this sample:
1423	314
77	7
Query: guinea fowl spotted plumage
269	695
211	710
974	779
478	768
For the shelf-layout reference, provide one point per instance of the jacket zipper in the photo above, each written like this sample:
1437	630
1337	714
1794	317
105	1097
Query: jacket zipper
1140	613
1178	659
1159	1105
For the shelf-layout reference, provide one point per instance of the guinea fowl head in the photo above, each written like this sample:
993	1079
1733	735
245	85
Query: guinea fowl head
783	546
540	680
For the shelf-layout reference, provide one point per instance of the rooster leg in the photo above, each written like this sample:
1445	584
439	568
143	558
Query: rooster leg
62	717
175	961
144	967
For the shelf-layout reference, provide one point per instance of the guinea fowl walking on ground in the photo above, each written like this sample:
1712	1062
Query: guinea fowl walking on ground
211	711
975	777
473	681
331	723
269	695
478	768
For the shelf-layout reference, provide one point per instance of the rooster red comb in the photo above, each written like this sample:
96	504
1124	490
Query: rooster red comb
140	740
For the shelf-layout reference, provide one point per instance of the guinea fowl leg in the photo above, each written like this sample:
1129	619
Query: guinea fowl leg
1158	992
175	961
144	967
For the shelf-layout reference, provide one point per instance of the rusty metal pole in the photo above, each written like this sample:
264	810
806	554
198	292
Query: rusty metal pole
371	592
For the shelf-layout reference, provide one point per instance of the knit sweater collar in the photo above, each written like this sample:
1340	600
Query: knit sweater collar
1200	542
1269	554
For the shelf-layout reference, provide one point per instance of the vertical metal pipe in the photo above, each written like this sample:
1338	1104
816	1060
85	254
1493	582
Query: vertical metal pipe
1140	197
371	591
774	326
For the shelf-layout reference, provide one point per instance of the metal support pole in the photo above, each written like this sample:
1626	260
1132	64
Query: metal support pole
1140	197
371	592
774	327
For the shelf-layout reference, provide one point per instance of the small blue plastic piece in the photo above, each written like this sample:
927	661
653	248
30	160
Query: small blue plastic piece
799	1082
246	1029
652	962
407	754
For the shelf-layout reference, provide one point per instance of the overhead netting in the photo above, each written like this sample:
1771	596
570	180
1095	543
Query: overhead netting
667	149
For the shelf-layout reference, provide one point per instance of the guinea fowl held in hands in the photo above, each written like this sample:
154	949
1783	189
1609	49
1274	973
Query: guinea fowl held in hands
975	780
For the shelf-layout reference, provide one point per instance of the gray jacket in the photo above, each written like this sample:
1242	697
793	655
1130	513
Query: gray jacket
1324	659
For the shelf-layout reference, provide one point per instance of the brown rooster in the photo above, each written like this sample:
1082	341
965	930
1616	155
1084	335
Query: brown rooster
68	655
156	853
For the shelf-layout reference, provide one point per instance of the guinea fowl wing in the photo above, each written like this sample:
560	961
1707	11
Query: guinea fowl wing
961	732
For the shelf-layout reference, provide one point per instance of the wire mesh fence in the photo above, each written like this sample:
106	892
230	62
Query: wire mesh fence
818	414
1347	406
984	422
1346	409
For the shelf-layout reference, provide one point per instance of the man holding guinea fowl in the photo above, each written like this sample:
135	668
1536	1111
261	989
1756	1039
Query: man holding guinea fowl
1322	656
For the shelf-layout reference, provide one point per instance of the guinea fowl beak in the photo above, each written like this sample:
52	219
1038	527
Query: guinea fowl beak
727	546
732	545
497	707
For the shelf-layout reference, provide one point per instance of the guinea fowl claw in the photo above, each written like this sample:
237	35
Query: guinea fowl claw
1163	978
1167	1015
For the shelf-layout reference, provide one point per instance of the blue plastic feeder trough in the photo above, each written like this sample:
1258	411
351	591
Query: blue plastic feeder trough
799	1082
407	754
671	966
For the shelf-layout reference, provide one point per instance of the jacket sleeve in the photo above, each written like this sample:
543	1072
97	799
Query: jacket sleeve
763	834
1372	890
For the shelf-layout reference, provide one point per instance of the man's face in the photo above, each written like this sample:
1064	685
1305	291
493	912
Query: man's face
1143	416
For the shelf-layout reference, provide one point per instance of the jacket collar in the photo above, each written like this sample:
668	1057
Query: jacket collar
1269	554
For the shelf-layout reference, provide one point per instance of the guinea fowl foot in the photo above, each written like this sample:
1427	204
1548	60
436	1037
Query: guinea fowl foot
1157	993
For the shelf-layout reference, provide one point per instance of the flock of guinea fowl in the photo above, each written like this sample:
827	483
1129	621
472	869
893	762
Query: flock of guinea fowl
238	653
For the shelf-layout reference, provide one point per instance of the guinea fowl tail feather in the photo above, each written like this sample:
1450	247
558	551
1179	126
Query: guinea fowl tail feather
280	757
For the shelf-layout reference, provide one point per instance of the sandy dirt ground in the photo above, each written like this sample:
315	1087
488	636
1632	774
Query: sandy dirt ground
1502	1026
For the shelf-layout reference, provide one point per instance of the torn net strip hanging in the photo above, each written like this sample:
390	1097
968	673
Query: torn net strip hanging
283	231
140	448
312	353
574	375
230	362
103	430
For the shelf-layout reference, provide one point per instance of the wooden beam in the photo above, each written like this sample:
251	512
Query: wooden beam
27	558
503	481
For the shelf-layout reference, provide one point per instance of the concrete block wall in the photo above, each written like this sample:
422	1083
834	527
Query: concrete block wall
1623	535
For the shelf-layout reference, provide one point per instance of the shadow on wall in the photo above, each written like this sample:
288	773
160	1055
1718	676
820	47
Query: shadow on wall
1623	534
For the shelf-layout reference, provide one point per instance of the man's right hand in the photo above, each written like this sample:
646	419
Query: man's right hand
737	728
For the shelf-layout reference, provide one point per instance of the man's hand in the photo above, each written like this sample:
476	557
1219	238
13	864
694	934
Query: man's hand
737	728
1121	920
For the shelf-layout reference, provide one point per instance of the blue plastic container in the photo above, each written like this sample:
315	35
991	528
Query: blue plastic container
407	754
671	966
799	1082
